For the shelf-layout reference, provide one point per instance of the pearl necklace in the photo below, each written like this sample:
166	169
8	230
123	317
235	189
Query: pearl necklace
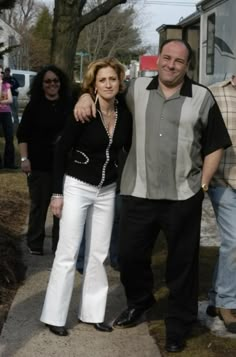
110	119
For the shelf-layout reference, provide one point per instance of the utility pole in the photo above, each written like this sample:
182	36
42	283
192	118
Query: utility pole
82	54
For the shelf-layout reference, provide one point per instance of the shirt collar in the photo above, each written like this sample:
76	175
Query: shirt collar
186	89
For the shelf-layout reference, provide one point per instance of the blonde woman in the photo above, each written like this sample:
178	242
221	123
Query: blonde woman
84	192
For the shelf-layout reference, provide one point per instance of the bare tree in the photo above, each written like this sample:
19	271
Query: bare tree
70	18
40	40
110	35
21	17
152	50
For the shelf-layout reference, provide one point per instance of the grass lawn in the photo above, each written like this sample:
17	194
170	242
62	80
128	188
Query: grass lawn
13	198
14	205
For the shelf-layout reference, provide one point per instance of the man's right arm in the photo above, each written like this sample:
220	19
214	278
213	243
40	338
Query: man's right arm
85	108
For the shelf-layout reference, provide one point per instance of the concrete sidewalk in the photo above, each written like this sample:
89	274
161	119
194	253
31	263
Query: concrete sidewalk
23	335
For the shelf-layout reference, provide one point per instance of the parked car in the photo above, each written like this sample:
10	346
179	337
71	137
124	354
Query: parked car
25	79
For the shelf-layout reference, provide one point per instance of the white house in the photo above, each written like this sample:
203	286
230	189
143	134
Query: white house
9	37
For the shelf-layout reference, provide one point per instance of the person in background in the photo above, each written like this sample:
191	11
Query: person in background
177	144
8	161
42	123
222	192
84	195
14	91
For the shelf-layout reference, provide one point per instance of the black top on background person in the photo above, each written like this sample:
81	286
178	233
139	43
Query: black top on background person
42	123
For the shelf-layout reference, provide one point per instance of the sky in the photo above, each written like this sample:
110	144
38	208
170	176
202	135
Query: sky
154	13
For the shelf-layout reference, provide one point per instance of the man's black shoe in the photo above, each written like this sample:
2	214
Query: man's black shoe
58	330
174	345
129	318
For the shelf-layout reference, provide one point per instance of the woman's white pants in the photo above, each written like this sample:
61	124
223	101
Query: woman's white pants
82	202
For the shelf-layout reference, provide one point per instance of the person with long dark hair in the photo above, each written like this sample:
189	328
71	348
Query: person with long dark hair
39	130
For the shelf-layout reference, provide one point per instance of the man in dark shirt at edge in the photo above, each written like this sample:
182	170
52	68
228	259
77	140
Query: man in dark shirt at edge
178	140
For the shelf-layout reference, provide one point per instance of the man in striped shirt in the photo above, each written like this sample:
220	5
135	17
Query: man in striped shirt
222	193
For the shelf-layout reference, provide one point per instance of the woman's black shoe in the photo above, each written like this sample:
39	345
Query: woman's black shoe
103	327
58	330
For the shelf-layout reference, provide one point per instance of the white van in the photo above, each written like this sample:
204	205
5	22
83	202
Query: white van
25	79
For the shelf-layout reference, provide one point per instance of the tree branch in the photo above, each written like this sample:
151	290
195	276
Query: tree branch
97	12
81	6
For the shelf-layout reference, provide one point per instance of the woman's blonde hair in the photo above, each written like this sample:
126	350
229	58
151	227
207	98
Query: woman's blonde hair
89	80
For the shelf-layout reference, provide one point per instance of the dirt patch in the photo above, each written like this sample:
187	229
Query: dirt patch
13	213
6	298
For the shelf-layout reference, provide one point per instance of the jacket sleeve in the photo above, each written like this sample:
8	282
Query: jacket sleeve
129	132
215	135
64	146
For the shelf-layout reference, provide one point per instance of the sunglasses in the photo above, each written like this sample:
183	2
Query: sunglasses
49	81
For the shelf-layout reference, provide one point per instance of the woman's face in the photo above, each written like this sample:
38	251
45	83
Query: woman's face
51	85
107	83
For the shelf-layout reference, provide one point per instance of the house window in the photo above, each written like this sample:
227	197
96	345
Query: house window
210	44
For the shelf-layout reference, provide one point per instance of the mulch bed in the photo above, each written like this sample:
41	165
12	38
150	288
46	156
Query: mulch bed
12	272
13	213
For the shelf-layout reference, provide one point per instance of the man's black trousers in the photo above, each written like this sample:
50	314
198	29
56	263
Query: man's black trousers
141	221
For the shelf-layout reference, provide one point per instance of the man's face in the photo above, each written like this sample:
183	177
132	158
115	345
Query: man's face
173	64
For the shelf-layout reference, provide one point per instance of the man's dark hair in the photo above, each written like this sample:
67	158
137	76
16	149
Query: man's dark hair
185	43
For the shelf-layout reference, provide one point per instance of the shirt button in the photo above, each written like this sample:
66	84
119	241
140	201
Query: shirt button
160	134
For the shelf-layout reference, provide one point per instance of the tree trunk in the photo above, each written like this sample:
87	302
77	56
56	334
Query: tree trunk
65	35
67	25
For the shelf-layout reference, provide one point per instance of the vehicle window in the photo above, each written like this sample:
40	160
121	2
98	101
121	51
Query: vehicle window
31	78
20	78
210	54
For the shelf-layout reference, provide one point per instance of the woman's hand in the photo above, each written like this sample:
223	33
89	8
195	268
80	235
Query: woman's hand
85	108
26	166
56	206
